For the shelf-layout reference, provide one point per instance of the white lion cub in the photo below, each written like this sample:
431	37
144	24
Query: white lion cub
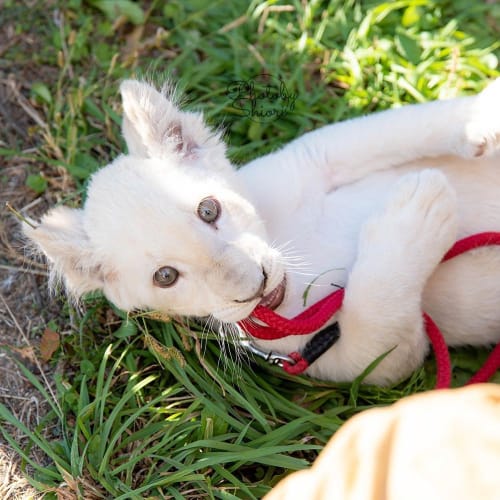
371	204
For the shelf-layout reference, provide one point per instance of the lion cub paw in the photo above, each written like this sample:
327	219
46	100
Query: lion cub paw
417	226
482	129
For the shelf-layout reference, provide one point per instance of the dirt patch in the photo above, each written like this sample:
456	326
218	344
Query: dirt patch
25	305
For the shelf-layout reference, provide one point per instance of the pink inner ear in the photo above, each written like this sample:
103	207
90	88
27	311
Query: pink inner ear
111	276
174	134
189	151
183	146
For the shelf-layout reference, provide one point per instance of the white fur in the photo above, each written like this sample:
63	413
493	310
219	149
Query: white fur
371	204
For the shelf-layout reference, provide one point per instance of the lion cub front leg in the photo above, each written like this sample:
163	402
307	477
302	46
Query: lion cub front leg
398	251
467	127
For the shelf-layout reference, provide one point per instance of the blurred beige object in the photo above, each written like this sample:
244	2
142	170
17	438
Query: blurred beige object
438	445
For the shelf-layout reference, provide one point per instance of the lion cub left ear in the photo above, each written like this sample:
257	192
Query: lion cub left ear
154	127
62	238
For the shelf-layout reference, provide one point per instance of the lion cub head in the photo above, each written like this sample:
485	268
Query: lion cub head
165	227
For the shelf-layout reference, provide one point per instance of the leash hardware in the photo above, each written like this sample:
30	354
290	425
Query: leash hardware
273	358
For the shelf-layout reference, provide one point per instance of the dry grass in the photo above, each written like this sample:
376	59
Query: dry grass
13	484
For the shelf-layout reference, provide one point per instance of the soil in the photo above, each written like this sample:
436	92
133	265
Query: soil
25	305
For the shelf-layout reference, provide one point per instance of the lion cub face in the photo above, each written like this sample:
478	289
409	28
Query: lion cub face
166	227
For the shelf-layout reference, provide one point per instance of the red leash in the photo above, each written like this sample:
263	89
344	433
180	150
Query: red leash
316	316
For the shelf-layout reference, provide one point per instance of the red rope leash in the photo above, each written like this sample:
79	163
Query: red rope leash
308	321
489	368
443	362
316	316
472	242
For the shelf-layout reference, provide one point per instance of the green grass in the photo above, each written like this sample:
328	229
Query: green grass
145	409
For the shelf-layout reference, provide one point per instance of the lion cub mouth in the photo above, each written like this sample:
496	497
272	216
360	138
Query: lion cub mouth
274	298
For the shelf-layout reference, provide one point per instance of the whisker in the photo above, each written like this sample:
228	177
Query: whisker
235	353
301	273
319	285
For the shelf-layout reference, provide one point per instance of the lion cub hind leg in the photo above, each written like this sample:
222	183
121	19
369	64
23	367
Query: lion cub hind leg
398	251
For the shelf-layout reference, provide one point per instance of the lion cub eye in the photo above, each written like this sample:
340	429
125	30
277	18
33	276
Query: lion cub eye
209	210
165	276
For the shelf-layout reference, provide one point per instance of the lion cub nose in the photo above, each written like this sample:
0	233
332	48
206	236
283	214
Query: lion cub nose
259	292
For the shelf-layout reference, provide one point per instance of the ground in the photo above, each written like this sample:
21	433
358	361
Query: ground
25	305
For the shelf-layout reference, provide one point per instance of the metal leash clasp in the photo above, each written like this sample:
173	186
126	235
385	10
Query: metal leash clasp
271	357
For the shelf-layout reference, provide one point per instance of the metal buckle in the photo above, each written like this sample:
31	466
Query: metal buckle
271	357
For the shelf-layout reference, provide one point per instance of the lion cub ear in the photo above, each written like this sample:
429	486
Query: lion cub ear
154	127
62	238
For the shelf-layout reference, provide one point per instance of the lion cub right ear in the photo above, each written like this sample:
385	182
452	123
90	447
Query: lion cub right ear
154	127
